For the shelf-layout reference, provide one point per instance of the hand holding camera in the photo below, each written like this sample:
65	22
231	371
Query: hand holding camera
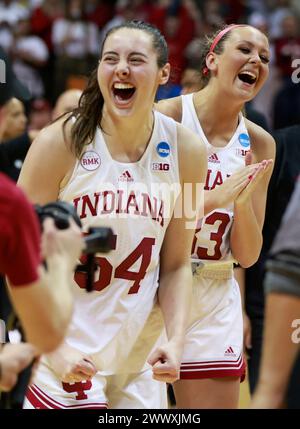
57	243
13	359
54	242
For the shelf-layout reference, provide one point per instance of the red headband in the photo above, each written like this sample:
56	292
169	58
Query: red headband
217	39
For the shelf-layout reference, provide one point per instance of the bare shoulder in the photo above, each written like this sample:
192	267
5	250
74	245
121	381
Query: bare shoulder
56	136
262	143
192	151
52	146
48	163
171	107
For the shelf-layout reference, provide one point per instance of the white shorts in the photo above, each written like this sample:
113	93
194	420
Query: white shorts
121	391
214	339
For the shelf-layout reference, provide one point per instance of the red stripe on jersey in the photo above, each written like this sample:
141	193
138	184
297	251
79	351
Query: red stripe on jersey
217	370
40	399
213	363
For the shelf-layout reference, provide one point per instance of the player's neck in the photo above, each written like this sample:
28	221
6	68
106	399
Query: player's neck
218	124
215	113
127	139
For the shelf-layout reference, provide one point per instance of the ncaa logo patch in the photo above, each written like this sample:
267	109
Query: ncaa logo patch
244	140
90	160
163	149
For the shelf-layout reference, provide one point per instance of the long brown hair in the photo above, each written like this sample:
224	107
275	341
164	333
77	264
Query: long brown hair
88	114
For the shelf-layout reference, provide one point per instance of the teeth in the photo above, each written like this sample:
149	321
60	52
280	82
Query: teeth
123	86
249	74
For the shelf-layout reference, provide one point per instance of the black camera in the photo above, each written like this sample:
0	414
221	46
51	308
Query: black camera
97	240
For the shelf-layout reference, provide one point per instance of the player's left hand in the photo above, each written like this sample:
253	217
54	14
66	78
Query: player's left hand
262	170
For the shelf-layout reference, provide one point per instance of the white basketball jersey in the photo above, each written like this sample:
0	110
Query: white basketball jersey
211	242
116	320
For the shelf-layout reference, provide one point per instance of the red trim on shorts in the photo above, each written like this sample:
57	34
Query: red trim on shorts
41	400
213	369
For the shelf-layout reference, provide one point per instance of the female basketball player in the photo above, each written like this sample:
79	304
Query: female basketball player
235	66
110	158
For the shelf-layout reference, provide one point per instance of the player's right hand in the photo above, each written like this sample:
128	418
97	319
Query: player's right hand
70	365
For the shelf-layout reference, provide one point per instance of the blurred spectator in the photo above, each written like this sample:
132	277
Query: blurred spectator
14	120
176	45
40	114
282	287
76	44
202	27
264	100
287	101
295	4
126	11
260	21
212	13
258	6
32	4
66	102
234	10
99	11
177	23
279	10
287	47
176	20
190	80
185	25
43	17
12	87
15	140
12	11
6	35
30	55
286	170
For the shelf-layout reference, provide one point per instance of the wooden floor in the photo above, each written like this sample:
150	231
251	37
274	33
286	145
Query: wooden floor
244	395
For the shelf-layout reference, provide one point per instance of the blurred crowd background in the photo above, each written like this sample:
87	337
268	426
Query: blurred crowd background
54	44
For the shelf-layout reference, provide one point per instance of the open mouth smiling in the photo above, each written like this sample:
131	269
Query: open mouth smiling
123	92
247	77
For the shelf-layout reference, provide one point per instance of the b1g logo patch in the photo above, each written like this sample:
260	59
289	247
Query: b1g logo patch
160	166
244	140
163	149
90	160
242	152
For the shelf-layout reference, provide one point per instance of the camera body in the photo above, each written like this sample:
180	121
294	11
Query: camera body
97	240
